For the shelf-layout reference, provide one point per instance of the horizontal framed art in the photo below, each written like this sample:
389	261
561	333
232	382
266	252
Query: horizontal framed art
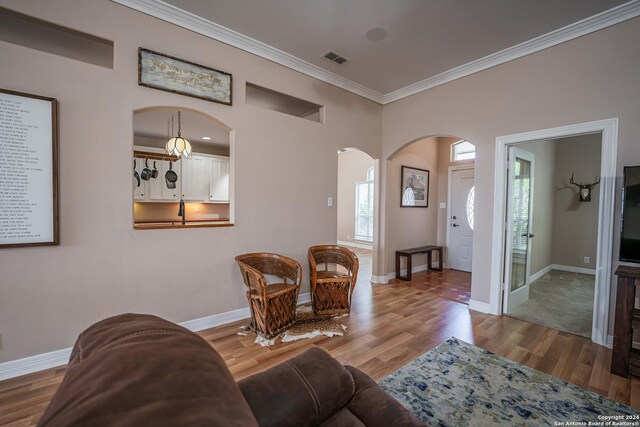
28	170
414	187
164	72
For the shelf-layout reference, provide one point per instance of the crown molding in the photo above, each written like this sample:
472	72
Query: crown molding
594	23
191	22
161	10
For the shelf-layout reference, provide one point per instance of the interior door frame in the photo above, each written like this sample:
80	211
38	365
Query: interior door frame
606	215
524	290
450	171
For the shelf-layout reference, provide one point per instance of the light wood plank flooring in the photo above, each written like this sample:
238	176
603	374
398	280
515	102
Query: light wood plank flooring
389	326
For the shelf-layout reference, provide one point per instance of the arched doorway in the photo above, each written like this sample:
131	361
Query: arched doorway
356	205
445	207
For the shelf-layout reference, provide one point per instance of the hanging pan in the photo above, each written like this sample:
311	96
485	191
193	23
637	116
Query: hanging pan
135	173
154	172
171	177
146	172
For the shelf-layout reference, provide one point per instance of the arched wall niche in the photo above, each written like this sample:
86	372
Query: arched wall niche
203	191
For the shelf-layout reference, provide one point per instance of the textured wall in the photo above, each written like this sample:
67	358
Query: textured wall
589	78
285	168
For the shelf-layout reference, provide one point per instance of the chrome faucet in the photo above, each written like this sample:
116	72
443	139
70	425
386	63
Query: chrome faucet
182	211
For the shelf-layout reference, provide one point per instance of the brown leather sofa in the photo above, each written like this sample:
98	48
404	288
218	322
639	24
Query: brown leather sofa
140	370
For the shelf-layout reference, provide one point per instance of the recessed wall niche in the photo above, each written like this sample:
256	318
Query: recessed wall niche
270	99
37	34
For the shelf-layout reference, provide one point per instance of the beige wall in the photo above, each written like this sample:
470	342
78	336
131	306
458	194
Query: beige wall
352	167
285	168
544	193
412	227
590	78
576	222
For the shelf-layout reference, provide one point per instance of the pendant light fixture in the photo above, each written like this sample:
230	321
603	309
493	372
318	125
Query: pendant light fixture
178	146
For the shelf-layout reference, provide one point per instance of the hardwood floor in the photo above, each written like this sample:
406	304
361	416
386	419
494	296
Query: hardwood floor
389	326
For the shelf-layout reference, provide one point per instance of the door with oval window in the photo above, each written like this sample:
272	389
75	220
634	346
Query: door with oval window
461	219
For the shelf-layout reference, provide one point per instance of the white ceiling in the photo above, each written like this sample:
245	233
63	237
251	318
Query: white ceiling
426	38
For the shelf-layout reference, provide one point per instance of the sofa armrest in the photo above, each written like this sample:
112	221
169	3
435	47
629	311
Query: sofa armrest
303	391
375	407
139	370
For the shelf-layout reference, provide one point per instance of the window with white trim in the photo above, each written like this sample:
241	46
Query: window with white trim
463	150
364	208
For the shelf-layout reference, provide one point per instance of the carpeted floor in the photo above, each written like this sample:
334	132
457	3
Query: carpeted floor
560	300
458	384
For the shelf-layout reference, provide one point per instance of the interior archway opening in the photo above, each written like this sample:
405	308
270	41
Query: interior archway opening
182	169
430	209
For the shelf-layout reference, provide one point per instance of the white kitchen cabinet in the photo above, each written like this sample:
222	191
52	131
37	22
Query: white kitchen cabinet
219	182
195	179
158	190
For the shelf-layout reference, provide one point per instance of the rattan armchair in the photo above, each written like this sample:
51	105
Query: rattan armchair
273	305
331	290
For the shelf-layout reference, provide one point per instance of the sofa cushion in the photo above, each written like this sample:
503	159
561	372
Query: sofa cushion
375	407
303	391
140	370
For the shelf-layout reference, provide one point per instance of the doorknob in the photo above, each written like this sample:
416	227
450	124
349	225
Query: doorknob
528	235
531	235
455	225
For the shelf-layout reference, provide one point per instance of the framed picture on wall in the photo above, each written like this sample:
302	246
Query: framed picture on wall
28	170
414	187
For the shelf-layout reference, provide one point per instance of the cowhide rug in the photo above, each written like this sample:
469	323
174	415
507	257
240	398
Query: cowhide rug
307	325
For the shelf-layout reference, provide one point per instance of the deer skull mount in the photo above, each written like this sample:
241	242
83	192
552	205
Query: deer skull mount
585	189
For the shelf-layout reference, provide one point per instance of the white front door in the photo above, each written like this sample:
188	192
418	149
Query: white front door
519	228
461	214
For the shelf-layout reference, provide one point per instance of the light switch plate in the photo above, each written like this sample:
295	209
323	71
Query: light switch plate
329	201
443	205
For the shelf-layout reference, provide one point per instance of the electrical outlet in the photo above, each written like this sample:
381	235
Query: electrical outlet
348	236
586	260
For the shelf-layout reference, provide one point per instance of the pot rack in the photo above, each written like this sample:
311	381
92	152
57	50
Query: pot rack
155	156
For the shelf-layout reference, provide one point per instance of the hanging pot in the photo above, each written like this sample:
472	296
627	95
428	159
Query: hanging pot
146	172
171	177
135	173
154	172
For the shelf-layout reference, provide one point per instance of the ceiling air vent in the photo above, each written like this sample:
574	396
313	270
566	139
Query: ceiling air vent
332	56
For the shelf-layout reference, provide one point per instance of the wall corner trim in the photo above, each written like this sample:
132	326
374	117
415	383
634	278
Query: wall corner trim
52	359
479	306
586	26
184	19
181	18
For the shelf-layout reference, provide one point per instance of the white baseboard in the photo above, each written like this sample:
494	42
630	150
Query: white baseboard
482	307
355	244
540	273
52	359
572	269
39	362
403	272
383	280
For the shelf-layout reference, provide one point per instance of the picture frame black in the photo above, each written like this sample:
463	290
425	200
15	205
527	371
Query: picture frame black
414	187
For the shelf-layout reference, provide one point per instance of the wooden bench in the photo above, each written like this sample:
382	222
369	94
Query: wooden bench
408	253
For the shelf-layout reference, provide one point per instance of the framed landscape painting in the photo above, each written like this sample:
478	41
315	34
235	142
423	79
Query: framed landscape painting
414	187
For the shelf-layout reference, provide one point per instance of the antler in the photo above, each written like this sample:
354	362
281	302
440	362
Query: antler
571	181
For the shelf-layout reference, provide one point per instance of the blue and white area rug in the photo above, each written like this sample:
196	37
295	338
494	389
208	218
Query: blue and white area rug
458	384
